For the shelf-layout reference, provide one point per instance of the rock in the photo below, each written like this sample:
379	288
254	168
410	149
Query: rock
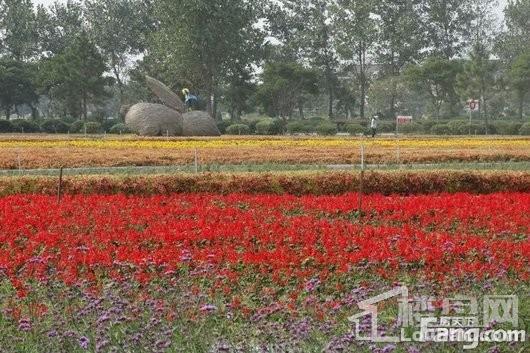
199	123
165	94
147	119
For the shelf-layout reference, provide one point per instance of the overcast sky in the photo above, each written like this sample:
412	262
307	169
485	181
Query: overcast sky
502	3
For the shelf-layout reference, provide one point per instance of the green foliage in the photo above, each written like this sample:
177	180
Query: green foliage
55	126
119	129
436	77
525	129
19	29
278	127
25	126
507	128
77	127
238	129
519	76
264	127
120	29
6	126
92	127
222	125
204	42
355	129
76	76
386	127
300	127
284	85
411	128
327	129
441	129
107	124
17	84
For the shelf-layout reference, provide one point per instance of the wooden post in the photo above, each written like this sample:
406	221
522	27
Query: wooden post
196	162
60	187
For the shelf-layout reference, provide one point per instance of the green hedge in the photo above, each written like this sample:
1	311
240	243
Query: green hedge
55	126
6	126
25	126
238	129
327	129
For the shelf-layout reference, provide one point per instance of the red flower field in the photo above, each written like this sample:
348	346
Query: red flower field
433	237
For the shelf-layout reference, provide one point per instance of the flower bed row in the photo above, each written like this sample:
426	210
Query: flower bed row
285	239
406	183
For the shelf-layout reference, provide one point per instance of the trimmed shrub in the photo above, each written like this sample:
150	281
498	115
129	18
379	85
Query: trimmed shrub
507	128
525	130
25	126
327	129
441	129
334	183
277	127
264	127
238	129
92	127
6	126
354	129
119	129
411	128
77	127
109	123
55	126
458	127
221	125
427	125
386	127
299	127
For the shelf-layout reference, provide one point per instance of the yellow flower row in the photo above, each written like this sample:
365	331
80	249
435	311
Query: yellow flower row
448	143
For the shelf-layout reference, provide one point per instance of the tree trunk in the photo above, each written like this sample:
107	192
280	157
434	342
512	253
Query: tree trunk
301	108
85	109
521	105
8	113
331	98
362	62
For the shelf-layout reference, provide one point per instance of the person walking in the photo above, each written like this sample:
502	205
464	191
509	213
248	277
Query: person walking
373	125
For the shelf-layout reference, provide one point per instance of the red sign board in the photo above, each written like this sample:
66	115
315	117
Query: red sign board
404	119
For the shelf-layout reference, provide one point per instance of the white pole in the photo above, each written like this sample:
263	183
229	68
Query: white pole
362	157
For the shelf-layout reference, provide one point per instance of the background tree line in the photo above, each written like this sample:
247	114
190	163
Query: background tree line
291	60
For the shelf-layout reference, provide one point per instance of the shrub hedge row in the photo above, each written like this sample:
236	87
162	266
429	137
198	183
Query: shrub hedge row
58	126
405	183
325	127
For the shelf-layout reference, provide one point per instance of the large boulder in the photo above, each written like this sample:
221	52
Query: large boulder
147	119
198	123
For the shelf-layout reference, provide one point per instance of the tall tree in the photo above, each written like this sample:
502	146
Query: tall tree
447	23
478	79
18	34
435	76
401	40
519	75
59	26
515	40
119	28
17	85
315	34
356	31
76	76
283	87
204	41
